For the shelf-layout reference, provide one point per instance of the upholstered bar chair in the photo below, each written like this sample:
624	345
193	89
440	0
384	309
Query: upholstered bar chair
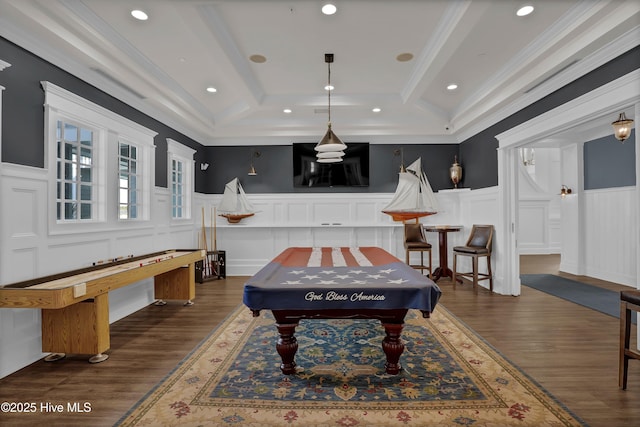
415	240
478	246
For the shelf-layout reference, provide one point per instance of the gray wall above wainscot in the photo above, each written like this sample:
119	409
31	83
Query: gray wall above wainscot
608	163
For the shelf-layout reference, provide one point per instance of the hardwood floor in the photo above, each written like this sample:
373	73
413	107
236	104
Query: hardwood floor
570	350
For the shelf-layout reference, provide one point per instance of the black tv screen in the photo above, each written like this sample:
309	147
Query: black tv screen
352	171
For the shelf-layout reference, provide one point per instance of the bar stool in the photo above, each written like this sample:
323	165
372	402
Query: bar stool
415	240
629	301
478	245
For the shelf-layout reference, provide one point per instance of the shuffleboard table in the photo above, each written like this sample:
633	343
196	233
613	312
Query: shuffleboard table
339	283
75	304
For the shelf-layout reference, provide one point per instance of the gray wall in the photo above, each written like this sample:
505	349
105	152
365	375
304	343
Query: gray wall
608	163
275	168
478	153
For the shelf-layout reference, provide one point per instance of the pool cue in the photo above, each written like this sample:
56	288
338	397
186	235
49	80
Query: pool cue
204	240
211	224
215	231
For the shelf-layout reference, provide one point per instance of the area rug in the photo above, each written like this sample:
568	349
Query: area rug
450	377
593	297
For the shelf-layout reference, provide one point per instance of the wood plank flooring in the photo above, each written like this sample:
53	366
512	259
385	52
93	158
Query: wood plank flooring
570	350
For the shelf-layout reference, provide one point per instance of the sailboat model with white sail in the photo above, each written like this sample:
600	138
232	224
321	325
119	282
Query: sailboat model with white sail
414	197
234	205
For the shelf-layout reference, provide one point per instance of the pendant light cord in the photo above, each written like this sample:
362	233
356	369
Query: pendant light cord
329	89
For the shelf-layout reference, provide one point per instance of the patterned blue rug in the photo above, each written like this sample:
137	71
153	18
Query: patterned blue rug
593	297
450	377
342	357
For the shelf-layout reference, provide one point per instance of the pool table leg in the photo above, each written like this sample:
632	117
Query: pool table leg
393	347
287	347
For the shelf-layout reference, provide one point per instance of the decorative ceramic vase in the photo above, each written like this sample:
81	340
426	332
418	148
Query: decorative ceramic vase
455	172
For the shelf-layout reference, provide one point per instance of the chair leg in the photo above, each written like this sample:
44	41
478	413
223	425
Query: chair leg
490	274
430	266
475	274
625	333
455	260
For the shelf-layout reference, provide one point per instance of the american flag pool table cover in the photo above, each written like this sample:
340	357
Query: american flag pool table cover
304	278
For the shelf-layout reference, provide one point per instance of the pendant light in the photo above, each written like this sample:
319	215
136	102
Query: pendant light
622	127
330	143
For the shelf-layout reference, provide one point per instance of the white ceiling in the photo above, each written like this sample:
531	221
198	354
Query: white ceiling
162	66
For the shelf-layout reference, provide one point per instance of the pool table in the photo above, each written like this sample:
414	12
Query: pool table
339	283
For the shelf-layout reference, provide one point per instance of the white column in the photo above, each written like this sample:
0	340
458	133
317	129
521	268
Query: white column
507	272
572	210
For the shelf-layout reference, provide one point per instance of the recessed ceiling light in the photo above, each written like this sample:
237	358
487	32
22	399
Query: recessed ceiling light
212	89
329	9
376	109
524	10
287	111
452	86
404	57
139	15
329	87
258	59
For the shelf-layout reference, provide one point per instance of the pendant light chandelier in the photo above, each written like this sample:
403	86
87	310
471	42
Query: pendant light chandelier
622	127
330	149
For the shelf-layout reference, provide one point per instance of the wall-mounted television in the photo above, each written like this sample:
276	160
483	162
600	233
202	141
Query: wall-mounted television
353	171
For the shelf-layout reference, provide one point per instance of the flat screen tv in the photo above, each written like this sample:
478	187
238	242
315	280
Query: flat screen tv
353	171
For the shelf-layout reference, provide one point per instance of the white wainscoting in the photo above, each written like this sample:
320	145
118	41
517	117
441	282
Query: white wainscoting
538	227
481	207
323	219
326	219
611	221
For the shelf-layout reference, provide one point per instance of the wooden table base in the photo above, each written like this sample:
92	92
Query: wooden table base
392	320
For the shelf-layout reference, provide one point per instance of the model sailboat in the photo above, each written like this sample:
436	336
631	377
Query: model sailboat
414	197
234	205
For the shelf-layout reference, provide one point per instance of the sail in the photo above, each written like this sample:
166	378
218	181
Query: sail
414	197
234	200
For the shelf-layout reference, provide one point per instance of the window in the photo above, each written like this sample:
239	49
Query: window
180	166
177	189
129	195
100	165
74	172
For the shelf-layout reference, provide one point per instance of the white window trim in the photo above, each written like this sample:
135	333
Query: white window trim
184	154
146	167
60	104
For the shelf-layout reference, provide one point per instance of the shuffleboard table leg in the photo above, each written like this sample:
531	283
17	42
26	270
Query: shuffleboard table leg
188	303
393	347
160	302
287	347
54	357
100	357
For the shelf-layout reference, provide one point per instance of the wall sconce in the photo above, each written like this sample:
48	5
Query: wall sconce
528	156
622	127
252	170
204	166
564	190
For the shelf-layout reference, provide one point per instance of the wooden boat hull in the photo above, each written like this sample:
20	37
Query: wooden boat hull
407	216
235	218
